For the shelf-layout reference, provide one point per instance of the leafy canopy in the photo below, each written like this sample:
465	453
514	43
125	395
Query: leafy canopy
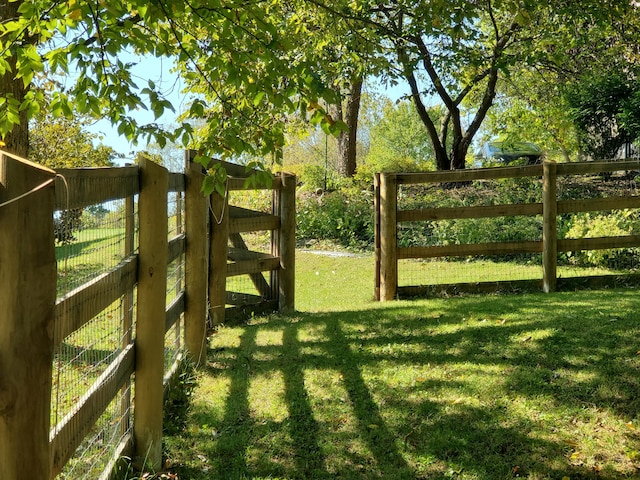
239	61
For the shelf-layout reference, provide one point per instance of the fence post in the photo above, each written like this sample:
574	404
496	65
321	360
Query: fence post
549	227
218	252
27	300
388	237
152	288
287	243
196	260
376	234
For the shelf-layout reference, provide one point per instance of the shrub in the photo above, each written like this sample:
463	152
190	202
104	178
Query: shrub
589	225
344	216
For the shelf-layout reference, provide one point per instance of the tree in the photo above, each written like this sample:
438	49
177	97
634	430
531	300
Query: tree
238	60
457	51
459	47
63	142
530	106
603	106
14	131
398	140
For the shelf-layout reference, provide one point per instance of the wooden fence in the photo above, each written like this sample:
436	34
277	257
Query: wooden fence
388	217
228	224
33	323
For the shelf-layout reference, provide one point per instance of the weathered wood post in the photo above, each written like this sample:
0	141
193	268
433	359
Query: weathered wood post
376	235
287	243
549	227
152	291
27	300
388	237
218	252
196	260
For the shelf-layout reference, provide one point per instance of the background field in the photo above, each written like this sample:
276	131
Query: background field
480	387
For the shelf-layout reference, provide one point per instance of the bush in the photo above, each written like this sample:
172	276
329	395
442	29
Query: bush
589	225
344	216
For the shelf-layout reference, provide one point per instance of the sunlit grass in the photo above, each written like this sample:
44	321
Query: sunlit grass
480	387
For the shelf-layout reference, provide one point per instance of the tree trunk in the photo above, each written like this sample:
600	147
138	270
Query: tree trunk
348	140
17	140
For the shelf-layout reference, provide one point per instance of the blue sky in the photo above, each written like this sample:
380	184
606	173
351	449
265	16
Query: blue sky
159	71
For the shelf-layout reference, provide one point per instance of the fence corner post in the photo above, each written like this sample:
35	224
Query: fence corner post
388	237
549	227
27	301
287	240
196	261
150	332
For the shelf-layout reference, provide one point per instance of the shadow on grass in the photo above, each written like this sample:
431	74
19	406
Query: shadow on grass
476	387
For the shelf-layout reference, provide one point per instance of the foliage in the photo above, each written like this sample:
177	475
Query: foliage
344	216
530	106
604	108
397	142
177	397
65	143
239	62
616	223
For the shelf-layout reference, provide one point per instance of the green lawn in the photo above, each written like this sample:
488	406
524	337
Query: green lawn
479	387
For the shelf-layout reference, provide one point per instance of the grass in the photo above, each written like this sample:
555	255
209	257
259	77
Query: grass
481	387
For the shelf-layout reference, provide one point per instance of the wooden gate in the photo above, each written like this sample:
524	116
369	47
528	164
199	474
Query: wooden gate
230	256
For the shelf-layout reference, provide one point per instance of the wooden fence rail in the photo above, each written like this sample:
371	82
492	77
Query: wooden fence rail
388	217
33	324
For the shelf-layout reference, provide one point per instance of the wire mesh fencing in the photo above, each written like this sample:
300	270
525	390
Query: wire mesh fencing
174	337
439	231
527	227
90	244
610	187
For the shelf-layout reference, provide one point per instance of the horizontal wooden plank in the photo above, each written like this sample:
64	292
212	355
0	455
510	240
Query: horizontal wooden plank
238	315
509	286
517	286
239	299
239	212
239	254
484	211
85	302
598	243
171	375
176	182
254	224
252	266
177	246
67	435
234	183
465	250
582	168
467	175
598	204
90	186
598	281
174	310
